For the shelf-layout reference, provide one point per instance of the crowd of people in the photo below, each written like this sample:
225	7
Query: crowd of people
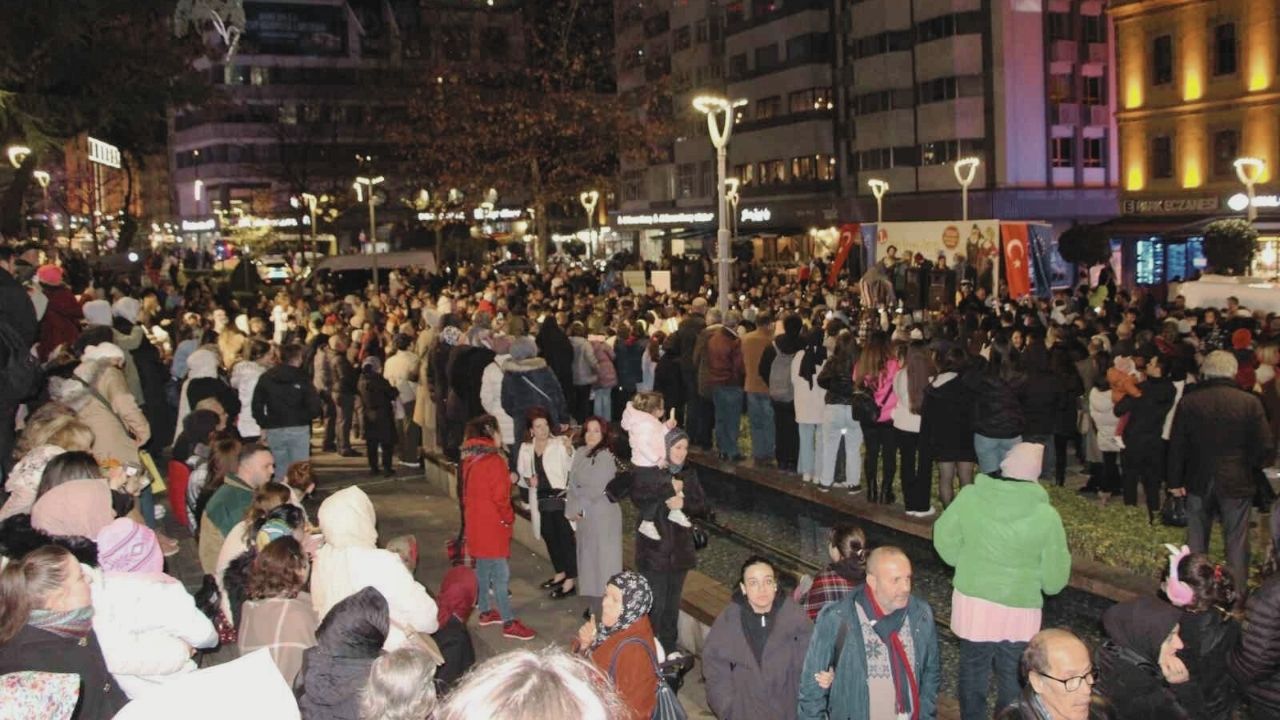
564	395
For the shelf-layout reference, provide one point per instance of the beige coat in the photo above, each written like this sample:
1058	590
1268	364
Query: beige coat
285	626
110	440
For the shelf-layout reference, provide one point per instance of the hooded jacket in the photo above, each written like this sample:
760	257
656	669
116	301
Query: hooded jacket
110	440
1255	661
1129	664
336	671
738	685
283	397
486	489
350	559
527	384
1006	542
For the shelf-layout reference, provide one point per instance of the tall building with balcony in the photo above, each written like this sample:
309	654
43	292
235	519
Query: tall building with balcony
306	93
1197	90
1026	88
676	48
781	65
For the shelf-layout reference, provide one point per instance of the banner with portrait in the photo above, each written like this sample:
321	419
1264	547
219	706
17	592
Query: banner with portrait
971	249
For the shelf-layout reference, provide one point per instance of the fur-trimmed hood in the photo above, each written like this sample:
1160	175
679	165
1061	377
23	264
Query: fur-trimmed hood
73	393
528	365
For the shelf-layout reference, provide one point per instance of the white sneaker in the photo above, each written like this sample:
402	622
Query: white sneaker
855	489
807	478
159	511
649	530
678	517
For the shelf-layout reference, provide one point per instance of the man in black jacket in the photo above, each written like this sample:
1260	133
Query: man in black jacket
20	315
284	404
1220	436
698	413
1144	448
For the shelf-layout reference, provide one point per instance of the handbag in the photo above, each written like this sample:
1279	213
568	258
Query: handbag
148	463
619	488
700	537
667	706
421	642
1174	511
863	407
553	503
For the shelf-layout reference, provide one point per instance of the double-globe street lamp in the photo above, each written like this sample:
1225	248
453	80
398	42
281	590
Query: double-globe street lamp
714	107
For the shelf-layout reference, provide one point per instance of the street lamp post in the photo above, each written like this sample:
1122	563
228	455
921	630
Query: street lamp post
713	107
367	184
965	170
311	202
731	194
1250	171
589	200
878	189
42	179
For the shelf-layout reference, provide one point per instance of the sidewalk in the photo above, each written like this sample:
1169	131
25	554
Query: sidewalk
407	504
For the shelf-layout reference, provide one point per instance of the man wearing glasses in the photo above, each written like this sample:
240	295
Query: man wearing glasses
1059	677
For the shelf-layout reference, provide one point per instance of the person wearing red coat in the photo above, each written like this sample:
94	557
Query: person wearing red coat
487	521
62	315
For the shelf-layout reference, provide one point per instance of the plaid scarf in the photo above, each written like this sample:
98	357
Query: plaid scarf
886	626
76	623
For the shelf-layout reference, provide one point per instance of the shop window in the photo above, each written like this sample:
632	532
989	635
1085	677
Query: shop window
1064	152
1161	160
1226	148
1093	151
1266	261
1224	49
1162	60
1150	262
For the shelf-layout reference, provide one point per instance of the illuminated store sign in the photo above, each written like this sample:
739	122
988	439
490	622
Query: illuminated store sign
746	215
199	225
1240	201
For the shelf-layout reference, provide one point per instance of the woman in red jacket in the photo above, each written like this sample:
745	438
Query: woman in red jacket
62	315
488	518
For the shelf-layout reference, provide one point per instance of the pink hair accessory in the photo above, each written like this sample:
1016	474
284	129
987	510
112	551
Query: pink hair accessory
1179	593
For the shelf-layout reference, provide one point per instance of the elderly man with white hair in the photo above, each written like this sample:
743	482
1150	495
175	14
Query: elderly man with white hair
1220	437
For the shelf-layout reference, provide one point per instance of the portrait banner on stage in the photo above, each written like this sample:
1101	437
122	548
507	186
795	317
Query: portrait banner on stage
975	244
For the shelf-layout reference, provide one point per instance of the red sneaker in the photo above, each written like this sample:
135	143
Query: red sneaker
490	617
516	630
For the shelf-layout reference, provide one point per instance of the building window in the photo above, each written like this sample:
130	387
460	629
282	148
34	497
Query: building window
738	66
826	166
1226	148
1059	26
766	57
680	39
1095	90
945	26
456	42
947	151
810	100
949	88
700	32
745	173
1224	49
1064	152
802	168
495	41
706	179
686	176
1093	149
772	172
1161	157
1094	28
877	159
885	42
1060	88
769	107
1162	60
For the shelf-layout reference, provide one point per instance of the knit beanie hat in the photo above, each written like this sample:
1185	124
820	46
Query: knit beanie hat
674	435
97	312
127	546
1023	462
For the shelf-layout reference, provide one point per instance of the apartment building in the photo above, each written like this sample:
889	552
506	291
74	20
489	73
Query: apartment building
1197	90
1024	87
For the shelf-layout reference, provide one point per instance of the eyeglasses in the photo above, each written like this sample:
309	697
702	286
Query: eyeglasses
757	584
1072	684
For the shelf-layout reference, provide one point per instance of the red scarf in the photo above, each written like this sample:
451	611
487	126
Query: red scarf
899	663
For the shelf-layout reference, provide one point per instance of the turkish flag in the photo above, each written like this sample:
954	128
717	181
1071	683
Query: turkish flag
849	235
1017	263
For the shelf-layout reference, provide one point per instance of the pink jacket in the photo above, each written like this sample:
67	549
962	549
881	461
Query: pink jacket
648	437
883	389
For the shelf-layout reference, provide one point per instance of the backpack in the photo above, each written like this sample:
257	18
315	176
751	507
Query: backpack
780	387
667	706
20	373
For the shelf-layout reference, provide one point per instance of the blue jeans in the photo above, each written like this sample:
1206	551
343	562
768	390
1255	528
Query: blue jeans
991	451
494	572
728	402
838	423
288	446
760	417
602	402
976	661
147	506
810	447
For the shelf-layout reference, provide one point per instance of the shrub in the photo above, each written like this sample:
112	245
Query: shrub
1229	246
1084	245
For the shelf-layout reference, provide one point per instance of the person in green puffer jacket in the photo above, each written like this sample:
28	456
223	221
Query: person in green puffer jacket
1009	549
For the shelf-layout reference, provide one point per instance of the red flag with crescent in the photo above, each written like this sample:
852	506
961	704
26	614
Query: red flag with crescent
1017	263
850	234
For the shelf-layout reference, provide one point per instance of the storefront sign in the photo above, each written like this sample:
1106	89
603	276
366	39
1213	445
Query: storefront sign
1169	206
756	215
199	225
245	221
671	218
452	215
498	214
1240	201
104	153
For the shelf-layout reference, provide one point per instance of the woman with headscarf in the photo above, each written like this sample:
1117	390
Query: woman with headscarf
335	671
46	625
100	397
809	398
755	650
351	559
203	382
621	642
376	399
666	562
457	597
